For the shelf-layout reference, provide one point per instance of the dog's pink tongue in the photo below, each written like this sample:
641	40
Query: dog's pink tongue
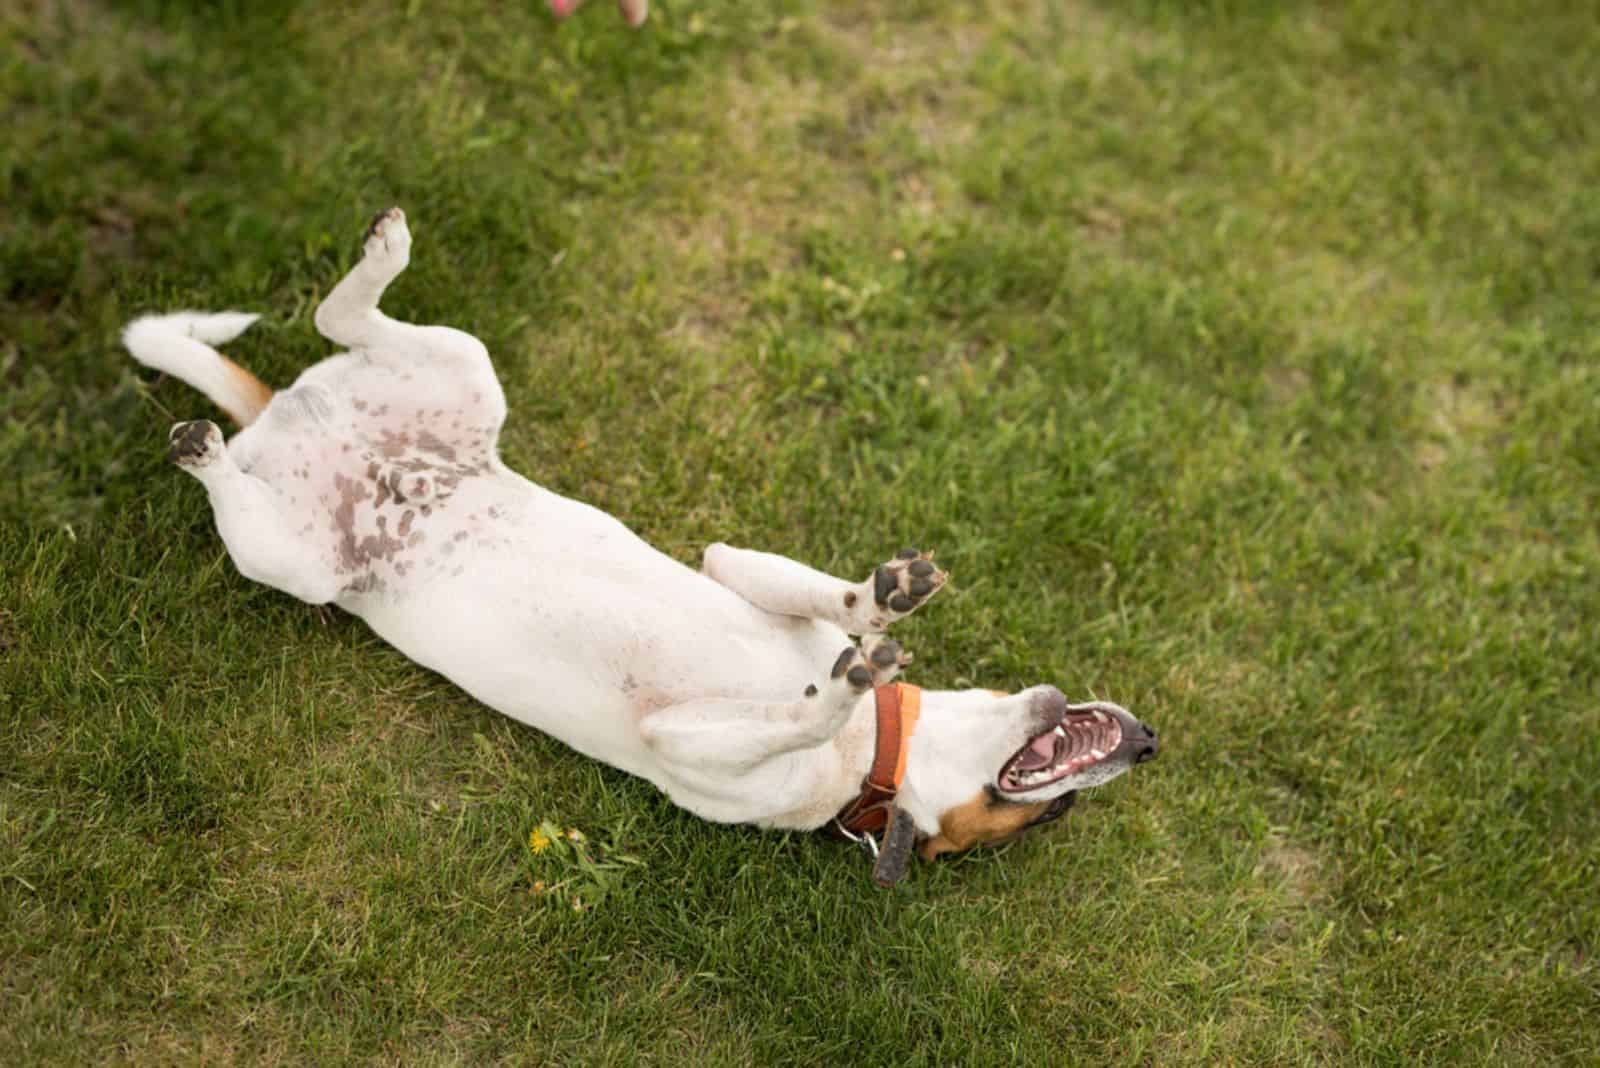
563	8
1039	753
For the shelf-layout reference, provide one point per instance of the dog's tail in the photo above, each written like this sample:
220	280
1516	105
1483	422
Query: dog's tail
180	345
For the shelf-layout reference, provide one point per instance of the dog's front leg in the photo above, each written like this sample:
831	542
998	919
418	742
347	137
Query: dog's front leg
778	584
260	537
725	735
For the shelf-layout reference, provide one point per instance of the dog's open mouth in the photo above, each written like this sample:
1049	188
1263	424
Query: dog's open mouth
1081	739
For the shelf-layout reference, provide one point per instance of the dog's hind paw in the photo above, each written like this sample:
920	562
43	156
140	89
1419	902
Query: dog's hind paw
895	590
388	238
195	444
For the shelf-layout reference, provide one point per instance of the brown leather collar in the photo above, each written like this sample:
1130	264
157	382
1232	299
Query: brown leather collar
899	705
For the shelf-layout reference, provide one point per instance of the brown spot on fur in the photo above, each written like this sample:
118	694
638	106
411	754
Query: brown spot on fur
405	522
982	821
428	441
355	554
379	546
392	444
351	493
364	584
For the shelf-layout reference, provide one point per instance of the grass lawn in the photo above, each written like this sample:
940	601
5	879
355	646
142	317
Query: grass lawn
1241	360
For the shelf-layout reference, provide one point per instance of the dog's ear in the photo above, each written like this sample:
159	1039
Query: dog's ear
987	819
899	835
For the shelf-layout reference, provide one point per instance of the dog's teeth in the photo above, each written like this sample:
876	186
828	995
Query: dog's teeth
1099	716
1097	754
1061	731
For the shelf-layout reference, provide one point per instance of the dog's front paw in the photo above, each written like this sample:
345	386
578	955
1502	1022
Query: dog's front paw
388	240
896	589
875	665
195	444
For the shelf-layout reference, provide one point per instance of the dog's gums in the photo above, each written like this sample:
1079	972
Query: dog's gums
1081	739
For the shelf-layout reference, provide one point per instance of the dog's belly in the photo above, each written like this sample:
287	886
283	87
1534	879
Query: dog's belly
560	617
386	470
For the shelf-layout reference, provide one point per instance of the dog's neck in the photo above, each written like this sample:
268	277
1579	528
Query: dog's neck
856	747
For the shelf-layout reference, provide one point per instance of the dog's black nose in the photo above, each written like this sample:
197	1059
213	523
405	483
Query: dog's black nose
1146	747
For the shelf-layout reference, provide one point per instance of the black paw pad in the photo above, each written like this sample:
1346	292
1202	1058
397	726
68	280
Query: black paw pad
188	440
908	553
859	677
901	603
846	658
372	227
921	569
885	655
884	583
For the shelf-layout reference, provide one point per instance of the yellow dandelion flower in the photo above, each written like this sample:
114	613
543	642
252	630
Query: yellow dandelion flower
538	841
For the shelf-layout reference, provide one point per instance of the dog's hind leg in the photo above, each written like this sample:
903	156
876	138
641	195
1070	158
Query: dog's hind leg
253	519
464	381
894	590
349	315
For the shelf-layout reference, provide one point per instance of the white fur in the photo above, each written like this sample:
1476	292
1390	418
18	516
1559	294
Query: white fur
374	483
179	344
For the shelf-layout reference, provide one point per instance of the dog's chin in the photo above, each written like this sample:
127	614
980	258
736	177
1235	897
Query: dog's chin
1057	809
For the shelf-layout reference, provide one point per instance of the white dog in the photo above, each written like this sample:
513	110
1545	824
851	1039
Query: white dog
374	483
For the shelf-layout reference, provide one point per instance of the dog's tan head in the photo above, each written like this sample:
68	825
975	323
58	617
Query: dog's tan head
983	768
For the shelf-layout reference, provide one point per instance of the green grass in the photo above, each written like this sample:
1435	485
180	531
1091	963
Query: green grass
1241	359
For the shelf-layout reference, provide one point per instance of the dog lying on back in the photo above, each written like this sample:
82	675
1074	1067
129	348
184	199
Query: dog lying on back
374	483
